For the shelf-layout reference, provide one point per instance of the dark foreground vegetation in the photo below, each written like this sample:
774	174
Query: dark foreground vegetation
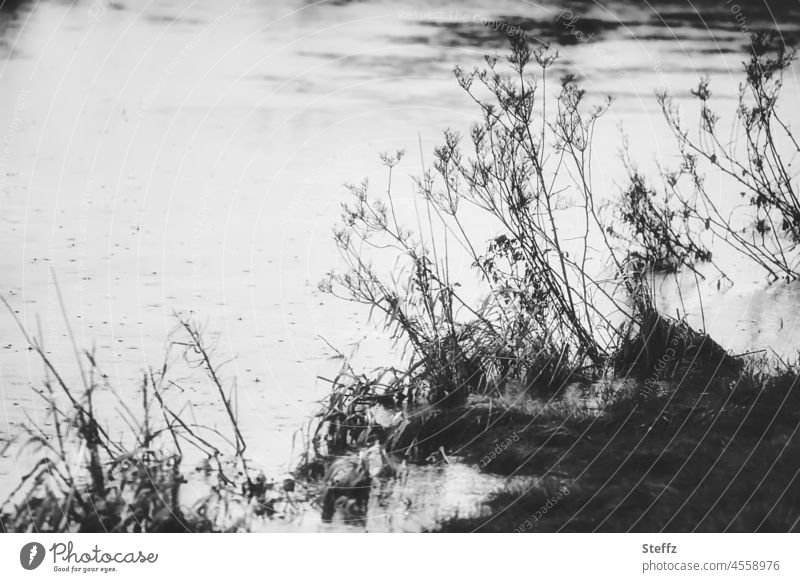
163	473
610	415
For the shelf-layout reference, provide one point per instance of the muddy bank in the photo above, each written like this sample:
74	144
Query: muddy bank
707	442
699	454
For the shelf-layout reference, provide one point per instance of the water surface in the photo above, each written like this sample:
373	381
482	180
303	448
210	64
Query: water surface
189	156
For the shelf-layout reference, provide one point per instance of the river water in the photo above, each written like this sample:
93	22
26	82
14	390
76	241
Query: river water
189	156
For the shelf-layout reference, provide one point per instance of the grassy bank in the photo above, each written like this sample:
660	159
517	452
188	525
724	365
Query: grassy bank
698	441
622	418
705	452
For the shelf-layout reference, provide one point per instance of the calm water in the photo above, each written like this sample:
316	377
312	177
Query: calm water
189	156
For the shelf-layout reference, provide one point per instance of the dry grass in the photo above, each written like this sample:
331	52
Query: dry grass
85	480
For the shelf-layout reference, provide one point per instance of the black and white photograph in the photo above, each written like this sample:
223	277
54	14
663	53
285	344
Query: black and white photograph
399	266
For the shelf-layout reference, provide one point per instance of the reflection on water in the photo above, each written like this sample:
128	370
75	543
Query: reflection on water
419	499
424	496
190	157
718	25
